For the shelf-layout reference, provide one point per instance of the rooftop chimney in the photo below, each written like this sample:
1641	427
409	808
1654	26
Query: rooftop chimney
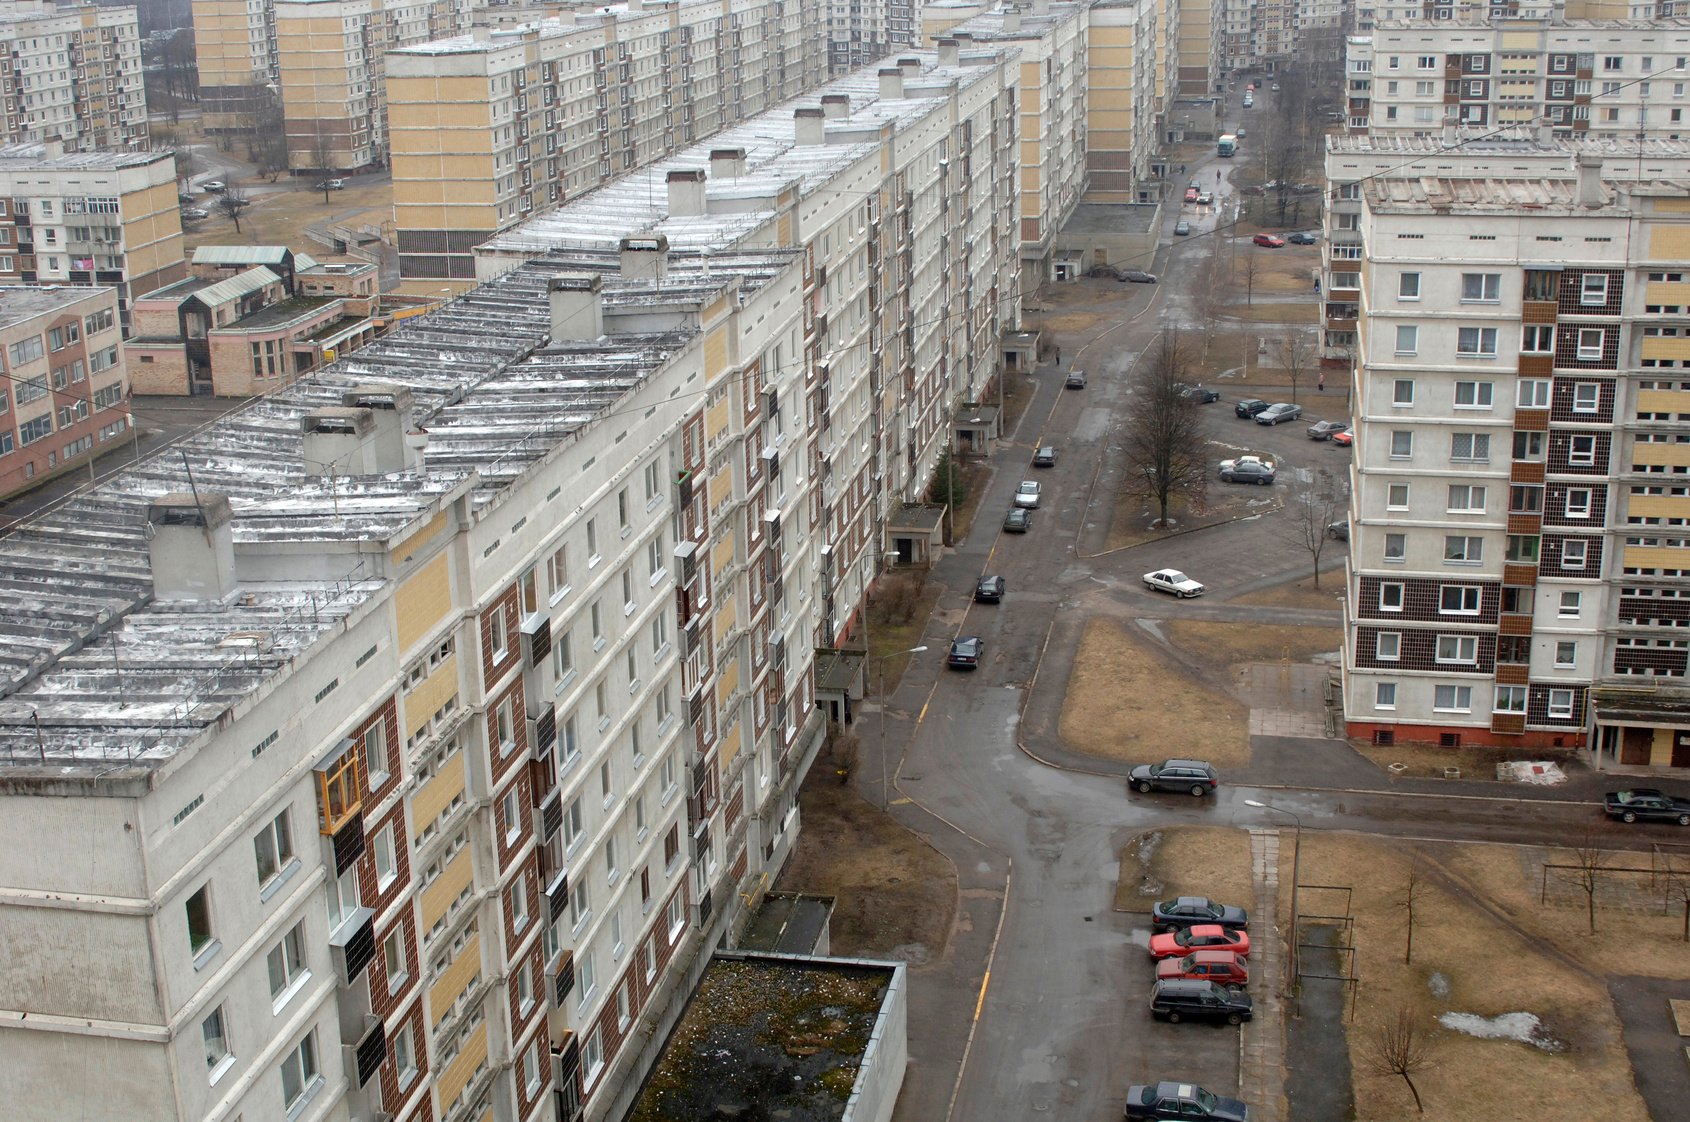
1590	193
191	545
807	126
1545	135
686	193
390	409
480	34
645	258
1041	7
727	163
1011	19
950	52
835	106
891	83
577	307
337	440
910	66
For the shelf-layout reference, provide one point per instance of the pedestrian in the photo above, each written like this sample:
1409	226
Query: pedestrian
1059	356
1320	383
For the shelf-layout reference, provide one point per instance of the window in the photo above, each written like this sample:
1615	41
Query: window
1402	392
1510	699
592	1058
1566	653
572	831
1402	444
677	915
1485	288
1473	395
586	974
1574	554
1384	695
497	640
1560	703
1395	547
557	571
393	958
1587	397
1396	496
1528	446
1452	699
1408	339
580	904
1408	288
1532	393
592	542
1525	498
1387	645
1458	648
274	848
405	1055
1390	597
1590	344
519	902
200	939
611	873
1581	451
1593	288
1537	339
563	656
1469	447
1578	502
1463	550
1569	606
216	1038
1459	599
511	809
343	899
386	868
524	987
1464	498
531	1070
286	961
1521	549
622	510
299	1073
1476	342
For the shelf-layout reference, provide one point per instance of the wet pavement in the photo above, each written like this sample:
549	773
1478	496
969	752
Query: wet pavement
1318	1085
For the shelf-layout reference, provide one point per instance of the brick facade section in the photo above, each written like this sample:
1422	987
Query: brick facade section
1421	597
1555	504
633	978
1567	346
384	997
513	937
368	880
387	710
504	843
1418	650
1655	610
1560	450
1549	556
503	762
392	1096
1570	298
1563	391
1652	661
494	669
1537	707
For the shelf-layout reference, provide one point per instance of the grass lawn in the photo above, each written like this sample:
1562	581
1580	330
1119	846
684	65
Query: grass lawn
1269	313
891	636
1125	701
1300	593
1211	861
1223	644
1423	760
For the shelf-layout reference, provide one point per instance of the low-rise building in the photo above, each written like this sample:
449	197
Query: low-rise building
250	319
66	398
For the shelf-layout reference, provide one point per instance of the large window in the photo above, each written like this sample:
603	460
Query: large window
1476	342
1408	288
214	1032
200	937
300	1077
1402	444
1390	596
286	960
1452	699
1408	339
1510	699
1537	339
1458	648
1560	703
1483	288
1469	447
1593	288
1464	498
1459	599
1462	549
1473	395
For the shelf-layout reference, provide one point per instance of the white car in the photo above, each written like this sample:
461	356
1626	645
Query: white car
1027	495
215	186
1247	458
1247	469
1174	581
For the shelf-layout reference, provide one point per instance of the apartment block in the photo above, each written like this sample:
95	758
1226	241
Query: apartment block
434	716
1615	78
72	74
860	33
249	319
235	50
1129	91
1202	40
1515	546
66	399
491	127
103	218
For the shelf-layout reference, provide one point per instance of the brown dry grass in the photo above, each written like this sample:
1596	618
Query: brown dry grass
1491	969
895	894
279	217
890	640
1125	701
1424	760
1277	313
1223	644
1211	861
1131	520
1299	594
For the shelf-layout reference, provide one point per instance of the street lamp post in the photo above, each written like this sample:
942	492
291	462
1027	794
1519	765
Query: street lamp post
1296	876
885	785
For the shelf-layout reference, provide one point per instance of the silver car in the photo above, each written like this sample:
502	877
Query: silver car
1027	495
1274	414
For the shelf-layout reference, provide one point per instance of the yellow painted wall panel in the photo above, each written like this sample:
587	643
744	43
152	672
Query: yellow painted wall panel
1655	557
1672	206
721	486
1669	243
1657	347
427	803
726	618
425	701
453	982
727	681
457	1073
438	896
1520	40
722	557
404	549
716	355
1663	401
422	601
716	420
1666	292
1660	454
1657	506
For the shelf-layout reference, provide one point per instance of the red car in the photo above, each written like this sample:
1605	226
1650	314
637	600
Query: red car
1224	968
1191	194
1343	439
1270	241
1204	936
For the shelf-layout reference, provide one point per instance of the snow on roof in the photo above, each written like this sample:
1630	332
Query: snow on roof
20	157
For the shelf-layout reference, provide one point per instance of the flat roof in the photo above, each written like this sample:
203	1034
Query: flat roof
1112	218
1481	194
23	302
25	157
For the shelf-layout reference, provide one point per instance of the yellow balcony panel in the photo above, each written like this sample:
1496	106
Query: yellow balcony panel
1663	401
446	785
1672	455
447	887
1657	506
457	1073
453	982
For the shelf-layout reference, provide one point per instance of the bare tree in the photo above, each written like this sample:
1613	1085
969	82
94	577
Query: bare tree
1248	270
1297	357
1210	295
1414	886
1164	435
1310	515
1588	858
1397	1047
231	202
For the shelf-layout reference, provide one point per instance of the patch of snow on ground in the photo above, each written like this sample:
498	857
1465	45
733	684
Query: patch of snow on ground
1543	773
1524	1027
1439	985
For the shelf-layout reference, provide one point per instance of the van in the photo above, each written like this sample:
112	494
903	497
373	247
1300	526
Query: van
1186	999
1045	456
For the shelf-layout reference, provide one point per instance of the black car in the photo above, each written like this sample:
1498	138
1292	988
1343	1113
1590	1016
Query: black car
1338	531
1188	911
1186	999
1174	775
965	652
1044	456
1647	804
1201	395
1302	238
1018	521
1174	1102
1249	407
1138	276
1324	430
989	589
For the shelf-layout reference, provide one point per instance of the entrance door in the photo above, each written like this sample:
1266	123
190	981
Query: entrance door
1680	749
1635	747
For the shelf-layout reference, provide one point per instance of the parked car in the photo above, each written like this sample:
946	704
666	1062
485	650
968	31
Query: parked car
1174	581
1338	531
184	197
195	212
1204	936
1201	395
1247	469
1181	1102
1184	999
1249	407
215	186
1647	804
1204	198
1138	276
1324	430
989	589
1018	521
1269	241
965	652
1191	194
1195	184
1027	494
1188	911
1181	228
1274	87
1076	380
1240	134
334	184
1283	411
1224	968
1174	775
1044	456
1343	439
1249	102
1302	237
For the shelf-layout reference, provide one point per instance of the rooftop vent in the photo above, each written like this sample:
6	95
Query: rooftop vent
910	66
727	163
578	306
891	83
686	193
835	106
949	52
191	547
364	435
1590	180
645	258
808	128
1011	19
